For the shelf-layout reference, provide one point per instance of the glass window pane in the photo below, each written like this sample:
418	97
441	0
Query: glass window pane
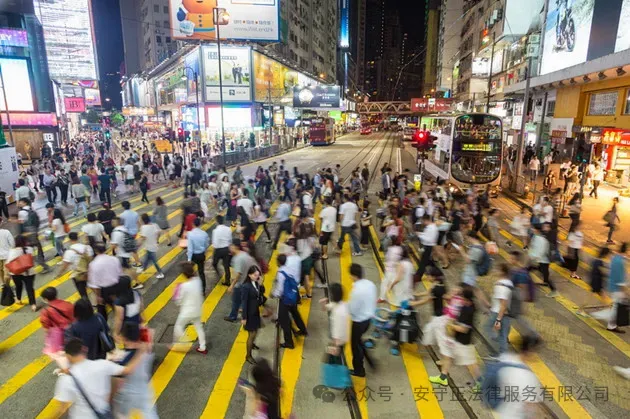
603	103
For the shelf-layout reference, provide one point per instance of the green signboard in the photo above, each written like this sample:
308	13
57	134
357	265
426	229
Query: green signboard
336	115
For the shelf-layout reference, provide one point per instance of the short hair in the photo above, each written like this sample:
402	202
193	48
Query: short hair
426	217
335	292
516	254
468	293
99	248
236	242
25	201
125	204
356	270
505	269
219	219
188	269
145	218
131	331
281	259
91	217
21	182
623	247
73	235
197	222
74	346
50	293
603	252
83	309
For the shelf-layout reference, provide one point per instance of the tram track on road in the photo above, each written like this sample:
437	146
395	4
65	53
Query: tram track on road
372	144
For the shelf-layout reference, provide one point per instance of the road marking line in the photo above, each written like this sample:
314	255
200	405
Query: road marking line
33	368
5	312
414	364
221	395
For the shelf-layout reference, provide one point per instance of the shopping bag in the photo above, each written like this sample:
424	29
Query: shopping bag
20	264
623	314
334	374
183	243
7	296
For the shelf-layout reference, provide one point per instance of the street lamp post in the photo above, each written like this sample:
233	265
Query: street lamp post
196	76
220	17
6	107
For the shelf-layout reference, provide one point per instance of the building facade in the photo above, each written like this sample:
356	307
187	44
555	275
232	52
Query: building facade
449	39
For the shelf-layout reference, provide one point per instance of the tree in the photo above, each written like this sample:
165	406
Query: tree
91	117
117	119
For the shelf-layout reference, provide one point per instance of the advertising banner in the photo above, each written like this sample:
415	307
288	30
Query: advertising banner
236	73
74	104
567	33
31	119
253	20
13	38
523	17
431	104
92	97
316	97
275	82
18	85
623	34
192	62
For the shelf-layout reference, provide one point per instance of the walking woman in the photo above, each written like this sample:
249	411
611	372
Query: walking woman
160	217
23	280
80	196
127	306
88	326
233	197
144	187
189	297
263	394
575	209
612	219
598	275
252	298
575	241
260	217
59	230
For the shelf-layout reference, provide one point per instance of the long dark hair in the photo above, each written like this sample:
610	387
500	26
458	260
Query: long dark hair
58	214
251	270
125	292
266	384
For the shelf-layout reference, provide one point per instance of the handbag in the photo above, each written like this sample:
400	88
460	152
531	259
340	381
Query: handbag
100	415
334	373
623	314
7	296
183	243
105	340
20	264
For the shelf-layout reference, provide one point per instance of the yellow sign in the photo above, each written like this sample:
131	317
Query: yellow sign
163	146
132	111
486	148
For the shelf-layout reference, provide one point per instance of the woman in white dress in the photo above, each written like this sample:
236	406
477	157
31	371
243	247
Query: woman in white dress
401	288
392	258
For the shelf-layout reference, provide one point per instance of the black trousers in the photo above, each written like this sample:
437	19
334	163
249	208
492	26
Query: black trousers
26	282
105	193
594	190
200	260
108	294
81	288
282	226
285	321
51	193
425	261
64	193
358	349
544	270
222	254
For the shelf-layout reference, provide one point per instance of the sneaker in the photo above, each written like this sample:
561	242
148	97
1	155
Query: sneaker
139	270
202	351
476	388
320	286
435	379
137	286
357	253
160	275
624	372
553	294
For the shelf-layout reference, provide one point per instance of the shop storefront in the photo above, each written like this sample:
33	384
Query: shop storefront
30	132
238	127
611	147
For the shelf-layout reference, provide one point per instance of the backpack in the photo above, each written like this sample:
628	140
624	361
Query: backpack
82	265
514	309
31	195
490	384
129	243
530	295
484	265
32	222
290	292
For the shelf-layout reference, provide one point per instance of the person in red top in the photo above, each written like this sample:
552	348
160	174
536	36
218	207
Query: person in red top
189	221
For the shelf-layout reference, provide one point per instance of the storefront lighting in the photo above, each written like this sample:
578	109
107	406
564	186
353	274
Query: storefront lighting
572	81
586	79
601	75
621	71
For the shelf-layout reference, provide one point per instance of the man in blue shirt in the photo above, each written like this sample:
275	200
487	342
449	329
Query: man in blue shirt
283	218
198	243
130	218
617	285
104	181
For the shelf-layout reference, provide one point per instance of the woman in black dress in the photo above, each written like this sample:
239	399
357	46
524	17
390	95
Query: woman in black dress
598	276
253	296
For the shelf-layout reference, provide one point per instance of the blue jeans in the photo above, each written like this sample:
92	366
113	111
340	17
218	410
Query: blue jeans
151	257
500	336
353	235
81	205
59	245
236	302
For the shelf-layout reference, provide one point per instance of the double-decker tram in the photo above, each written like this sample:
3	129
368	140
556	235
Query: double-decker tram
469	148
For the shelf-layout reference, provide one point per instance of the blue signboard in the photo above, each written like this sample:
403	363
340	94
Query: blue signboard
344	30
316	97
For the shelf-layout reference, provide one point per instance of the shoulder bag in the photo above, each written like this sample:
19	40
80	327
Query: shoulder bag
105	340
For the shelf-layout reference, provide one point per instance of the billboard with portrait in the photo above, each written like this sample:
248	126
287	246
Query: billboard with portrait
316	97
274	81
567	34
235	72
254	20
18	85
68	35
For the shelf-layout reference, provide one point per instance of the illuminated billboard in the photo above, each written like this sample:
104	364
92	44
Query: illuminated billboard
567	32
274	82
18	85
235	70
623	35
74	104
92	97
68	36
316	97
344	30
254	20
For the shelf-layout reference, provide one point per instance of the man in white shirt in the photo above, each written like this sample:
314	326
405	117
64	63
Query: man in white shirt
349	211
429	239
328	215
283	218
246	203
103	276
149	235
129	176
286	311
94	230
221	241
498	324
72	259
546	211
534	168
598	177
23	191
89	379
307	201
362	306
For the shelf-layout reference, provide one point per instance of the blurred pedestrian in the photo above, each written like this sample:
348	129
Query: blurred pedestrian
189	297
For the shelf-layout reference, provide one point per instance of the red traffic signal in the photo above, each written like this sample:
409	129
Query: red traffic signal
180	134
420	138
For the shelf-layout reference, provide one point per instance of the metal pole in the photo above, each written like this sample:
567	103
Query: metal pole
490	72
270	115
198	111
521	140
6	106
218	26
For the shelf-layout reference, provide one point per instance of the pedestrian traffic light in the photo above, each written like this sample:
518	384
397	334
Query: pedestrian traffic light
187	136
108	135
180	134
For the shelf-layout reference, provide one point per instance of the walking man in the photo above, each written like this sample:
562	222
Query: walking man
362	306
198	243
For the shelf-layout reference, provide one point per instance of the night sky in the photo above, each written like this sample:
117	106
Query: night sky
411	18
109	46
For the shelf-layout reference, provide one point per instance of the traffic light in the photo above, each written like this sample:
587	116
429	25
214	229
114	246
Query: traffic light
424	141
180	134
108	135
187	136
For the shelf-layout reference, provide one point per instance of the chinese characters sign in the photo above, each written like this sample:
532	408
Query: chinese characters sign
431	104
616	137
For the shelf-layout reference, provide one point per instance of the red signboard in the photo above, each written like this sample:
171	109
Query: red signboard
431	104
74	104
30	119
613	136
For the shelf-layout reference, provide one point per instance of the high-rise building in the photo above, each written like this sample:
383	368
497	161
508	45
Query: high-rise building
374	43
146	34
450	28
431	33
391	58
